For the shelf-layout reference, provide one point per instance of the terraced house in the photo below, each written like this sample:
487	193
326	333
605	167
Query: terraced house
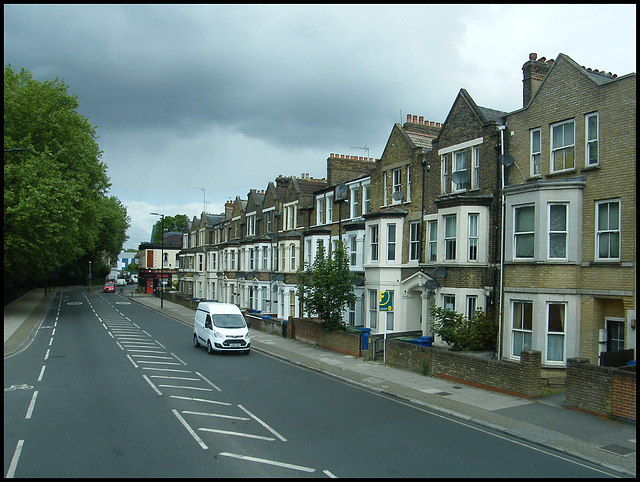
527	215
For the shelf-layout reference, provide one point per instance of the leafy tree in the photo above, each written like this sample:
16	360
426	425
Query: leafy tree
478	333
171	223
325	287
55	206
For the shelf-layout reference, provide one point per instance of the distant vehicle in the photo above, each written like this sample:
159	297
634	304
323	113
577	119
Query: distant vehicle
134	278
109	287
121	282
221	327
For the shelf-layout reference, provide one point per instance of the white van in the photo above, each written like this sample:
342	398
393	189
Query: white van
221	327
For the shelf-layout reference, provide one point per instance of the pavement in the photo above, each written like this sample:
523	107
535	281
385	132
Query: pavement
543	421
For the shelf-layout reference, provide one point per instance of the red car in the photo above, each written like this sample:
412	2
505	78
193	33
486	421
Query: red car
109	287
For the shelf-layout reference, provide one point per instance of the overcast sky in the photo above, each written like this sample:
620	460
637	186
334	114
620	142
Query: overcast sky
227	97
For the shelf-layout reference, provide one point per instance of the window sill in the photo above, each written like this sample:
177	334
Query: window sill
563	171
591	167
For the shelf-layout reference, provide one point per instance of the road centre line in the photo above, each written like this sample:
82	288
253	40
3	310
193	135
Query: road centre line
46	356
189	429
42	371
200	400
263	424
208	381
269	462
32	405
14	460
152	385
238	434
215	415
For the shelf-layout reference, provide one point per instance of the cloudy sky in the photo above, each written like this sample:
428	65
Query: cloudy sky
197	104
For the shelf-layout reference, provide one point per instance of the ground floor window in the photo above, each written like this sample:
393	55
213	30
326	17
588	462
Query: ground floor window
522	326
555	332
373	309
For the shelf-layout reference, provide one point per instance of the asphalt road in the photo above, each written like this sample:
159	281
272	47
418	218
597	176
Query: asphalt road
108	388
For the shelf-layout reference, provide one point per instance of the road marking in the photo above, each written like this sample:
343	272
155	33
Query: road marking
200	400
41	373
238	434
177	358
205	414
32	405
148	351
263	424
269	462
50	341
186	388
189	429
14	460
208	381
46	356
156	356
166	369
329	474
175	378
158	362
152	385
131	360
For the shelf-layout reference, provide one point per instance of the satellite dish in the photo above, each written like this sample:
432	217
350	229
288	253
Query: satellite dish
250	275
271	235
506	159
439	272
460	177
357	281
341	192
397	196
277	277
432	284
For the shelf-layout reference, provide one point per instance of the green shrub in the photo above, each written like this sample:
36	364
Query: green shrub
478	333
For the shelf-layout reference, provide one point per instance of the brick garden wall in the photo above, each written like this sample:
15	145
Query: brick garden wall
603	391
310	330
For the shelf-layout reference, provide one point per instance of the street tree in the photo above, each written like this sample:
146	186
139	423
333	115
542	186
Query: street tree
325	286
56	208
170	223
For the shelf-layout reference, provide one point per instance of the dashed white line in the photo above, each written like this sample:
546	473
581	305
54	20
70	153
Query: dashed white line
14	460
41	373
32	405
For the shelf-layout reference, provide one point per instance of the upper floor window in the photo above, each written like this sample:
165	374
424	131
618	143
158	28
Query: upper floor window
563	146
460	165
592	128
408	183
444	173
366	199
373	232
414	241
292	249
535	152
290	212
353	251
450	237
391	242
524	231
558	231
397	182
269	218
354	202
320	210
433	241
251	224
329	205
475	168
608	229
473	237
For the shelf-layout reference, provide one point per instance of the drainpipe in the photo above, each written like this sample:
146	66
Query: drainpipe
501	129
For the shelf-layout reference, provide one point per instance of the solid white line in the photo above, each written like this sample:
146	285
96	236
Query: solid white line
152	385
41	373
175	378
166	369
263	424
239	434
158	362
187	388
111	335
14	460
160	344
214	415
121	347
208	381
155	356
131	360
200	400
189	429
329	474
270	462
179	359
32	405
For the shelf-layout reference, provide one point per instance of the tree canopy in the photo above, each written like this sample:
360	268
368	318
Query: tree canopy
56	207
171	223
325	287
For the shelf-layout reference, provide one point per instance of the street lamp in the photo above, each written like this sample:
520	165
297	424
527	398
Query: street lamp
161	258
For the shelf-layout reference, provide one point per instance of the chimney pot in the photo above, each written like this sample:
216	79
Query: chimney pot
408	117
415	119
421	119
533	56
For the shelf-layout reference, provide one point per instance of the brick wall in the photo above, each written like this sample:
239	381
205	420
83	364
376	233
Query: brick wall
521	379
603	391
310	330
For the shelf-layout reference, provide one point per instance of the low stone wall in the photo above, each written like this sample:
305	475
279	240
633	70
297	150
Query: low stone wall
603	391
270	325
310	330
521	379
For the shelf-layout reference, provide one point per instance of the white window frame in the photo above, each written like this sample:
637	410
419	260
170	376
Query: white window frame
397	184
521	331
555	335
353	251
471	306
414	241
366	199
517	235
472	252
292	265
374	301
408	183
592	143
459	160
450	242
392	234
320	210
557	231
374	243
475	167
536	151
329	208
433	241
609	230
353	202
444	173
566	149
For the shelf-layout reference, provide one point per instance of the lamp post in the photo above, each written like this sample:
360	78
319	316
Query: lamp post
161	258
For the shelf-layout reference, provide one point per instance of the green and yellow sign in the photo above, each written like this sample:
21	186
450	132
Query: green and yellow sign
386	301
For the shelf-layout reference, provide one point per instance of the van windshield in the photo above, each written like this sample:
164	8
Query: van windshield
229	321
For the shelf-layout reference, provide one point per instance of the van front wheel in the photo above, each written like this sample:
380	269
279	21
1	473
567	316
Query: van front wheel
195	341
209	347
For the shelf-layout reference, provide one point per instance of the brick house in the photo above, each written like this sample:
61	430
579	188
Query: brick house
570	214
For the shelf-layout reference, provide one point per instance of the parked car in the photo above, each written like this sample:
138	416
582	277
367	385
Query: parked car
109	287
221	327
121	282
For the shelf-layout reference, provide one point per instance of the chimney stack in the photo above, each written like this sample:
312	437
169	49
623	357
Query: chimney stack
534	71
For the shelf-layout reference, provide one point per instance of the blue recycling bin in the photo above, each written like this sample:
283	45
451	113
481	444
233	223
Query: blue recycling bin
423	341
365	337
